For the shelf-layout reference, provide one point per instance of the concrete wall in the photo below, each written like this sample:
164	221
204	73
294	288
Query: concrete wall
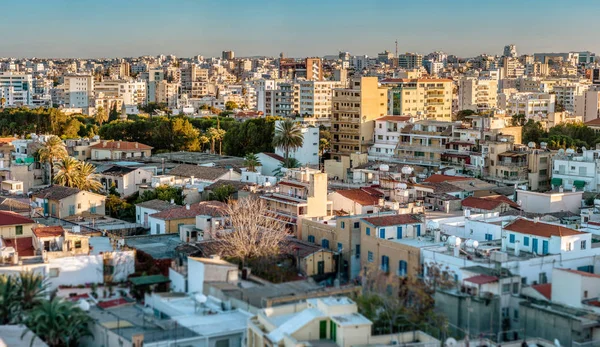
196	272
483	317
310	263
9	231
178	281
548	203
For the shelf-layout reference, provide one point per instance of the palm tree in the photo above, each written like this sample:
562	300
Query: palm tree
68	172
215	134
32	288
10	303
58	322
288	163
251	162
88	178
52	150
288	136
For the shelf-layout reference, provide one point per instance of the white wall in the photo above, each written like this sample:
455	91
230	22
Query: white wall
157	226
342	203
548	203
177	281
139	214
308	154
268	164
196	281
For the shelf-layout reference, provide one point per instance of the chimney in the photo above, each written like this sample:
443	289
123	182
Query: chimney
118	144
187	206
137	145
517	248
503	244
192	180
536	219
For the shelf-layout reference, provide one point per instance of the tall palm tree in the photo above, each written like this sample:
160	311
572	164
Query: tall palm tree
32	288
215	134
88	178
251	162
68	172
52	150
288	136
58	322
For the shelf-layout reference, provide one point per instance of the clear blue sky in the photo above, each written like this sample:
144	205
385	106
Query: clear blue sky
115	28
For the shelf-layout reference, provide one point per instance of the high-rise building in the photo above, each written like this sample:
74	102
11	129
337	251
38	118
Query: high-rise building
410	61
78	90
194	81
16	89
228	55
314	69
587	105
354	112
385	57
510	51
477	94
315	99
426	97
596	76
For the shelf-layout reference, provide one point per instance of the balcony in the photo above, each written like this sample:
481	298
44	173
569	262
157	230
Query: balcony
511	164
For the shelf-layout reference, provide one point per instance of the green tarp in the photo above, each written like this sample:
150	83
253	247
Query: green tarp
556	181
148	280
579	184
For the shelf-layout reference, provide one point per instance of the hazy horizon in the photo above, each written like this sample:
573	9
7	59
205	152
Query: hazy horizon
186	28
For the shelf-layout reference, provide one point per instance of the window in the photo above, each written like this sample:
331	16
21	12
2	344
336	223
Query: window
516	288
382	233
569	246
370	257
488	237
402	267
511	238
343	225
339	246
583	244
222	343
325	243
368	231
356	225
385	263
516	314
311	238
506	288
585	294
526	241
78	244
53	272
542	278
19	230
357	251
505	312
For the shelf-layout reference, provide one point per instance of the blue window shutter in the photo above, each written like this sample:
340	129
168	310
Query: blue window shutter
418	226
402	267
511	238
399	233
368	231
343	225
526	241
339	246
382	233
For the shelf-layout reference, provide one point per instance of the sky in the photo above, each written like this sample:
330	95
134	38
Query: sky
131	28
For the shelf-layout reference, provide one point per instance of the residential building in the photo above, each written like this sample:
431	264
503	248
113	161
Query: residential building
125	180
61	202
80	148
587	105
334	321
166	93
477	94
363	200
282	101
14	225
204	175
302	193
308	154
537	106
572	170
171	220
566	92
56	242
315	100
106	150
424	141
354	113
387	135
78	90
429	98
392	243
410	61
16	89
146	208
228	55
314	69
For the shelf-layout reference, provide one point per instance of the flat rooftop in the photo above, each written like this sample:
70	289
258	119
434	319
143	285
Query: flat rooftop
157	246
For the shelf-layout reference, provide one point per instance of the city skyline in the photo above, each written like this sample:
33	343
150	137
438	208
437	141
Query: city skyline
465	28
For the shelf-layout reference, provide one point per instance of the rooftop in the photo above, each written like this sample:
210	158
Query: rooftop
436	178
157	246
397	219
121	145
156	204
482	279
13	218
51	231
116	170
365	197
55	192
207	208
525	226
200	172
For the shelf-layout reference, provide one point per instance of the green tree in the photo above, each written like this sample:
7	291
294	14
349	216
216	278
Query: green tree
70	130
519	120
88	179
215	135
230	105
186	137
463	114
113	114
532	131
2	101
222	193
163	192
32	289
68	172
10	300
288	136
59	322
101	115
52	150
251	162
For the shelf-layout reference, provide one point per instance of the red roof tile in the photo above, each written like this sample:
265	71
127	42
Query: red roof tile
112	303
360	196
525	226
53	231
274	156
482	279
394	118
488	203
398	219
581	273
291	184
12	218
593	122
544	289
121	145
443	178
23	245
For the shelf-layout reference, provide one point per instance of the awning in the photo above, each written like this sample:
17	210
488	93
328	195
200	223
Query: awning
148	280
579	184
556	181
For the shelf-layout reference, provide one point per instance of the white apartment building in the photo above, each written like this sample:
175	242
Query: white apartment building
78	90
576	170
387	134
16	89
132	92
477	94
315	99
262	88
587	105
531	105
567	92
308	154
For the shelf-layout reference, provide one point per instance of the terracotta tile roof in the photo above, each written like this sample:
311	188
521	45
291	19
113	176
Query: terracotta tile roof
443	178
482	279
503	198
5	140
52	231
593	122
156	204
373	191
487	203
121	146
12	218
300	248
582	273
274	156
443	187
542	229
14	205
23	245
360	196
238	185
210	208
544	289
291	184
391	118
398	219
206	173
55	192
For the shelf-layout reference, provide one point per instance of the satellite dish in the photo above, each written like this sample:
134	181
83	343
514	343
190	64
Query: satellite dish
84	305
450	342
531	144
200	298
402	186
561	151
384	167
407	170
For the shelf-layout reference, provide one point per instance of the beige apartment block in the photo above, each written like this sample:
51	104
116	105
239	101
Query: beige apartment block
427	98
477	94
